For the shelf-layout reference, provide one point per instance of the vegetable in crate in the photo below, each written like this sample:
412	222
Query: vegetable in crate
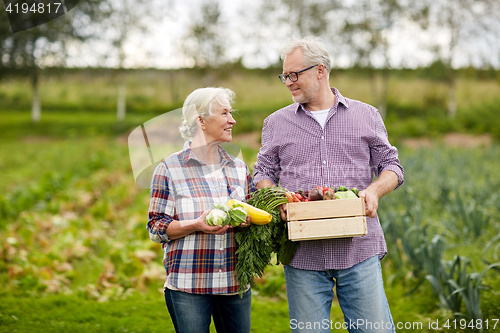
342	192
329	194
345	195
315	194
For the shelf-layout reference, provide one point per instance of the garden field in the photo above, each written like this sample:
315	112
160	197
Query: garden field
75	255
74	251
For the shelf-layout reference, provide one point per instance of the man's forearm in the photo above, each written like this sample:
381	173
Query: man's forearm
264	183
385	183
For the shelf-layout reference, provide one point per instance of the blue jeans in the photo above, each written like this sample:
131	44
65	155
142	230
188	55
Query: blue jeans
360	292
191	313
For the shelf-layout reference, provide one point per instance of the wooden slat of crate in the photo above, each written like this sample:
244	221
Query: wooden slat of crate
327	228
325	209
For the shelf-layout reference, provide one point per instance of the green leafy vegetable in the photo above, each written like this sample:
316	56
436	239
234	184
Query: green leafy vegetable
349	194
238	215
217	216
355	190
257	243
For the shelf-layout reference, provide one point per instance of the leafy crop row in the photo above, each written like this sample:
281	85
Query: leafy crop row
439	223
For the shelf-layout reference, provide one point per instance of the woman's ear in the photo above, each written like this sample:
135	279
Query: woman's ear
201	121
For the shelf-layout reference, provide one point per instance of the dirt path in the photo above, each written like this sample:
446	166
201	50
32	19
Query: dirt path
451	140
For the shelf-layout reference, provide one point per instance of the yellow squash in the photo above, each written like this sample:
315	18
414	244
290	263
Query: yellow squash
257	216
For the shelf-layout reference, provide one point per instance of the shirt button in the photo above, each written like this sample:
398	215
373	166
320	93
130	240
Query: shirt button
323	137
324	162
220	270
222	249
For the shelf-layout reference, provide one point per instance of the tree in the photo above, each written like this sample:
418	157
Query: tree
295	18
26	52
462	23
126	18
266	25
365	30
306	17
205	40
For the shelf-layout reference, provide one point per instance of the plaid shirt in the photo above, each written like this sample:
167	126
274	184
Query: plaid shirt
182	188
351	148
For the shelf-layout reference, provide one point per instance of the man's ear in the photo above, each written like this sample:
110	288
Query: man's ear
321	71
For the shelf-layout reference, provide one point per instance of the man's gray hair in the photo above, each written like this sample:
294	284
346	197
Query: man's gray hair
200	103
313	49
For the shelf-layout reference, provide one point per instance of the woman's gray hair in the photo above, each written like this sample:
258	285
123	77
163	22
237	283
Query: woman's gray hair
313	49
200	103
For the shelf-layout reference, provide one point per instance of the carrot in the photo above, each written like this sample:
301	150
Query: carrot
289	196
295	198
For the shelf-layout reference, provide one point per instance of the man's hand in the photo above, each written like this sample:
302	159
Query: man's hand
386	182
283	211
371	200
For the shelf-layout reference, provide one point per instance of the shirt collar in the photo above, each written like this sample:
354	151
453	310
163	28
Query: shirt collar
338	99
187	154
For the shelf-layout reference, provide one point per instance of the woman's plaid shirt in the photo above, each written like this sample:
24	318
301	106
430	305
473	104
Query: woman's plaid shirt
182	188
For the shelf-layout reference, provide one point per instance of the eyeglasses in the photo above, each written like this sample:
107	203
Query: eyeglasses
294	76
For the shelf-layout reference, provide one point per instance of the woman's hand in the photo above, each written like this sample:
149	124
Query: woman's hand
201	225
246	224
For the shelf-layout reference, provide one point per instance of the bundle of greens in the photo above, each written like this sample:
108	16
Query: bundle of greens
257	243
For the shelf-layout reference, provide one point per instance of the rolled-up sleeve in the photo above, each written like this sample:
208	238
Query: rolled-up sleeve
161	207
268	164
384	155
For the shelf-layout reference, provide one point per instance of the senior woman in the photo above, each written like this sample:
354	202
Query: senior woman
199	259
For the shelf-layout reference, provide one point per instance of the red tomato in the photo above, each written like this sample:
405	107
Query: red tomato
299	196
322	188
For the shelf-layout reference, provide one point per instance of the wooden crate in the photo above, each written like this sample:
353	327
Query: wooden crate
326	219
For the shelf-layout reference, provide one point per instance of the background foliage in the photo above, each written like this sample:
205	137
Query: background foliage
72	220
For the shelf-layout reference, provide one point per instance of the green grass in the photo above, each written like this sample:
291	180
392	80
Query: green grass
145	312
61	313
17	125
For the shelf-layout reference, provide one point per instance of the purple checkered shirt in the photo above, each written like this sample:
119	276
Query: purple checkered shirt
352	147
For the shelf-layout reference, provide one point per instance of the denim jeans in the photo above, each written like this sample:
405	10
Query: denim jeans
360	292
191	313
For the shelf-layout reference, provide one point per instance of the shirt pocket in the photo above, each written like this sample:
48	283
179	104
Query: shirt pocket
236	192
